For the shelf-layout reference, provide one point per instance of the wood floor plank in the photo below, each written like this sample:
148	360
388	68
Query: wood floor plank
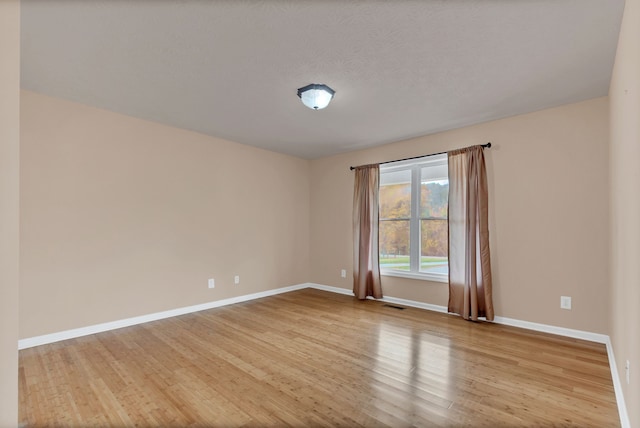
312	358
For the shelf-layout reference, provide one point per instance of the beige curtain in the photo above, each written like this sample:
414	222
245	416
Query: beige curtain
366	268
469	261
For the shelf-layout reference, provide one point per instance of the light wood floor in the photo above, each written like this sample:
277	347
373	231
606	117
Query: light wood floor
312	358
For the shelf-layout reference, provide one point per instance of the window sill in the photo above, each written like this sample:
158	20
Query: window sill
413	275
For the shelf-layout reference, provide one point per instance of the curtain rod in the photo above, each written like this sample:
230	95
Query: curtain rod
484	146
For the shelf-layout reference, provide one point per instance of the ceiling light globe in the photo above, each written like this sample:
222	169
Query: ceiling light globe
316	96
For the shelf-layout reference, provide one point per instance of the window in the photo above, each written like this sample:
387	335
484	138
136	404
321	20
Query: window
413	230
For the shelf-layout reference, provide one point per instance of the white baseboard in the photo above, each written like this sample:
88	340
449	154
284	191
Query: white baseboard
330	289
415	304
561	331
394	300
113	325
617	387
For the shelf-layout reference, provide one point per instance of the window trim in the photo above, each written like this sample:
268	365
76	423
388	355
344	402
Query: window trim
415	166
423	276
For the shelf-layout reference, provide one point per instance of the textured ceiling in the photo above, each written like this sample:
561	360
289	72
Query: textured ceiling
400	68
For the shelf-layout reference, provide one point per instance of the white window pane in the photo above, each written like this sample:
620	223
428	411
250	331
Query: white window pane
395	195
394	244
434	246
395	177
434	196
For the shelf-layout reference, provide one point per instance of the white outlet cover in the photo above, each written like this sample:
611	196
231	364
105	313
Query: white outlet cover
565	302
627	369
236	279
212	283
343	273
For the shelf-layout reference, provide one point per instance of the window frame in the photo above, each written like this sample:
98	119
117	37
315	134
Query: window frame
415	166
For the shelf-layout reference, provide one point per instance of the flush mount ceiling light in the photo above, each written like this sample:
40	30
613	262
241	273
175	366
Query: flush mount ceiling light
316	96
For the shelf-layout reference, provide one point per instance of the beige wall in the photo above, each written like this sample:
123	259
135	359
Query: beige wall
122	217
548	175
624	96
9	214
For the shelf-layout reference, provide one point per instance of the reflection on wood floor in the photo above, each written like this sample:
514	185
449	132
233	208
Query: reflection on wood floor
312	358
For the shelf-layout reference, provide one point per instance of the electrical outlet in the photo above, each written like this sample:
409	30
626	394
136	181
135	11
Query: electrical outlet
565	302
212	283
236	279
343	273
627	370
